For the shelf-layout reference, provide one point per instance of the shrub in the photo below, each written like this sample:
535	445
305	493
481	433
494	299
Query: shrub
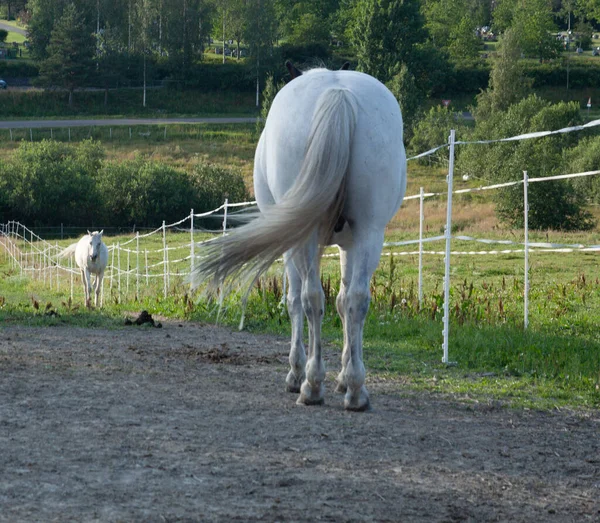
51	182
553	204
143	192
213	183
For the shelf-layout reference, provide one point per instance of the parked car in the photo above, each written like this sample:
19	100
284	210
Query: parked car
3	84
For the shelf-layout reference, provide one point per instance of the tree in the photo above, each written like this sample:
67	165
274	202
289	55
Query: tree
507	83
261	31
43	15
534	23
13	7
552	204
502	16
403	87
464	44
70	53
385	34
433	129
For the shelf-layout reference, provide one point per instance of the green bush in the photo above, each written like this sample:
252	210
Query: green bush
212	184
553	205
51	182
143	192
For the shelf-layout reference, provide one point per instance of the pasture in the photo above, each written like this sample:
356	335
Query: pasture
191	421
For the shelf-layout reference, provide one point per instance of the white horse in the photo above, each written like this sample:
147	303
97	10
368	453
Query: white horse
330	168
91	256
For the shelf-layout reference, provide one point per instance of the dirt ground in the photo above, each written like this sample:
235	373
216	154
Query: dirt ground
191	423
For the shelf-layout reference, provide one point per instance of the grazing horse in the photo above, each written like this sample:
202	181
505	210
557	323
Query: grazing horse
330	168
91	256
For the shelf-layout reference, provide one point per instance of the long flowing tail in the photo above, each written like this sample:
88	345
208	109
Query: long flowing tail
312	204
69	251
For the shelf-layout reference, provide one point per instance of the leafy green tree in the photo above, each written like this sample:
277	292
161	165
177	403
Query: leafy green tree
433	129
268	95
385	34
534	23
451	24
552	204
464	44
43	15
403	87
13	7
503	14
70	53
582	158
590	9
507	83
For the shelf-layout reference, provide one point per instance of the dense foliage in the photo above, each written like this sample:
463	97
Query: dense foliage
49	182
552	204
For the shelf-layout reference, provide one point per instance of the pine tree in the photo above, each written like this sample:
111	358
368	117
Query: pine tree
70	54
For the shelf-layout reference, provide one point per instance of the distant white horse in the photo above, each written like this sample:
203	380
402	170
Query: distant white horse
91	256
330	168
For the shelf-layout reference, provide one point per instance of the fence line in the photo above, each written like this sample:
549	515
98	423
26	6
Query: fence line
40	258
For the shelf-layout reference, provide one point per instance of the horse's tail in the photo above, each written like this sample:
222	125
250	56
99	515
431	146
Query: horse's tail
69	251
312	204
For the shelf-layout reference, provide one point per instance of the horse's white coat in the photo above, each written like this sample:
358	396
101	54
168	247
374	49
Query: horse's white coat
332	143
91	256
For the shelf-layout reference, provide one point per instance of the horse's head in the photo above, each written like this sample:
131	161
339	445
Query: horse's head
95	243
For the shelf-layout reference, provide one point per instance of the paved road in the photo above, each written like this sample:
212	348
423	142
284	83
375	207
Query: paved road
13	29
35	124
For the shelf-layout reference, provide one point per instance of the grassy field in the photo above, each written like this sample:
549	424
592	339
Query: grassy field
555	363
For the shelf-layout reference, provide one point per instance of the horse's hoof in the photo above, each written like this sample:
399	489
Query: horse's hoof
303	400
341	388
293	384
310	396
357	402
365	407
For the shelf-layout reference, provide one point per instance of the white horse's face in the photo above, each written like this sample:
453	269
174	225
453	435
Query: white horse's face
95	243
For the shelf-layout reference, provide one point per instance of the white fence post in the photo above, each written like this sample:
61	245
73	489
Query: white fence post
71	273
448	234
128	270
421	198
147	274
225	216
112	267
526	227
119	269
192	247
137	265
164	228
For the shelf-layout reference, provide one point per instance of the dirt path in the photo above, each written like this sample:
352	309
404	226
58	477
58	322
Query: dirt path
190	423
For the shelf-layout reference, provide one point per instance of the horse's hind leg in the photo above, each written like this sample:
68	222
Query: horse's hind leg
306	261
359	262
294	303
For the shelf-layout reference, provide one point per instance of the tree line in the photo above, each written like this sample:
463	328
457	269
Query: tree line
101	41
